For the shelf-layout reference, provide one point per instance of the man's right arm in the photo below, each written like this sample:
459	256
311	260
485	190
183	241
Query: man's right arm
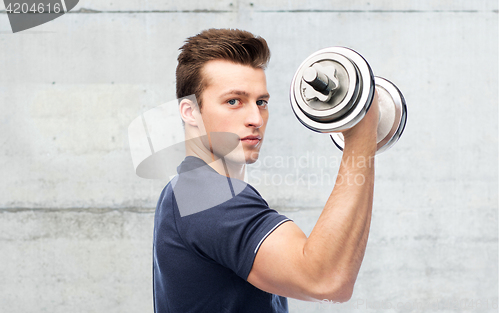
326	265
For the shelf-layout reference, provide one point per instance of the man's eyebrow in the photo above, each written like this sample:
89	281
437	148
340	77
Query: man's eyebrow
242	93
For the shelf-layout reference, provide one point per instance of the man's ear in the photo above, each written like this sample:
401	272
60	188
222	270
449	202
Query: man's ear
188	110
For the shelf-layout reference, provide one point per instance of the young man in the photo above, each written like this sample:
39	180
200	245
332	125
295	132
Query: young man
218	247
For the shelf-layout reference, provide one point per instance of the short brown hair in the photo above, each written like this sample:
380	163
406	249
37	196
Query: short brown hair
233	45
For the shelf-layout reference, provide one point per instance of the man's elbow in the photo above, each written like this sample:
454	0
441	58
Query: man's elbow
337	291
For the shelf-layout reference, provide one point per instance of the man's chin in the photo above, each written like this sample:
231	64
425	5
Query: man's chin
251	161
242	157
254	156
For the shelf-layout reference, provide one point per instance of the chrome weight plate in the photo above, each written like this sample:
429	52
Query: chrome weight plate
392	116
332	90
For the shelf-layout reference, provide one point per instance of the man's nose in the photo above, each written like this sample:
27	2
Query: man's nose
253	116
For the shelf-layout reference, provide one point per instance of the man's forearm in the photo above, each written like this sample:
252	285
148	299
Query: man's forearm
337	243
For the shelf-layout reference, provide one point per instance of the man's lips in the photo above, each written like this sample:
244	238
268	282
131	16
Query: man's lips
252	140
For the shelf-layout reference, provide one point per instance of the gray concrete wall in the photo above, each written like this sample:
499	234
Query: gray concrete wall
76	223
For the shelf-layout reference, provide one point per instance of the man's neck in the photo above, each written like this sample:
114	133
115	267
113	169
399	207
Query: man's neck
219	164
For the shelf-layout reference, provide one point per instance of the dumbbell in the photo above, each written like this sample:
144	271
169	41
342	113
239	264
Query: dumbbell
333	89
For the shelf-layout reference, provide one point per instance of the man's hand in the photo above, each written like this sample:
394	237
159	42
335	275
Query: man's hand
365	132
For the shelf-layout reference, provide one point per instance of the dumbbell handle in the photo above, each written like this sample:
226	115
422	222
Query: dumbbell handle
319	80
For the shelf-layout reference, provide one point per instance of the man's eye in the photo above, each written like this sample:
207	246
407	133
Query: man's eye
261	102
233	101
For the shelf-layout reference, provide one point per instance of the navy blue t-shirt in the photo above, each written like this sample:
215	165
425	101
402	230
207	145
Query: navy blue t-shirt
208	228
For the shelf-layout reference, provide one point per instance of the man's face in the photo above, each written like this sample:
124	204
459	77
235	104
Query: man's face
235	101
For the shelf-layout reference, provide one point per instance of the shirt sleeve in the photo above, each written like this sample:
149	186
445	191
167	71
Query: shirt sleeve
231	231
